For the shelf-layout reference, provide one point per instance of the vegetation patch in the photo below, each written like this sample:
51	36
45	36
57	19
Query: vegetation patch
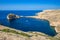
13	31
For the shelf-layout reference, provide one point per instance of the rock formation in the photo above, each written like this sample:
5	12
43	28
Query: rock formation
12	16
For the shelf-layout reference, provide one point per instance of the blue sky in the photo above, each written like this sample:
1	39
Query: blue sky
29	4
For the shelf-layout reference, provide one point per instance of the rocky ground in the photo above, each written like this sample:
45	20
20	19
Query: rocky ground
13	34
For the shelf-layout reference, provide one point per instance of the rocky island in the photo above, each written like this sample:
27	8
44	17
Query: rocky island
12	16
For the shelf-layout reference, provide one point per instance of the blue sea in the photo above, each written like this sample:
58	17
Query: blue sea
26	24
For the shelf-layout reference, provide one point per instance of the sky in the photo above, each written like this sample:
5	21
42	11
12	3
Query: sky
29	4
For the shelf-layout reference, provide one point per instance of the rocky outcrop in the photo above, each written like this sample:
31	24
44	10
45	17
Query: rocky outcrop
12	16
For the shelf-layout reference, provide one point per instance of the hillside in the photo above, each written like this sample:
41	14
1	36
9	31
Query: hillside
13	34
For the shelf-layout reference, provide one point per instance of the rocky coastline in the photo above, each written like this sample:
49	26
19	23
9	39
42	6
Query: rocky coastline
53	16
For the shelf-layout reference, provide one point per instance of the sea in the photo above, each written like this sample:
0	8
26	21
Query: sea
26	24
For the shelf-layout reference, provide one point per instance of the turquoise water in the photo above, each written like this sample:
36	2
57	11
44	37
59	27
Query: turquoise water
27	24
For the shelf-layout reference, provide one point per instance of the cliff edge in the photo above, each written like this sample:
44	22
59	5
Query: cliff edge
53	16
